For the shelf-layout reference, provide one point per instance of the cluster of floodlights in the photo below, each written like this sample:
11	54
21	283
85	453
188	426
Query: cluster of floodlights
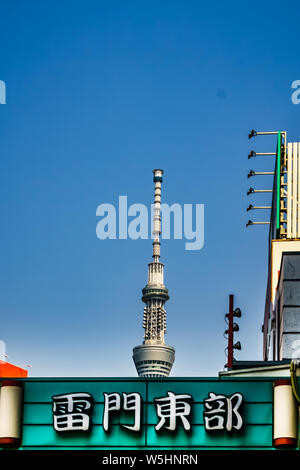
252	173
233	327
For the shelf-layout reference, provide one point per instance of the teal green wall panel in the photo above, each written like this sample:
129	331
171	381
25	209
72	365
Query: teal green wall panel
259	413
42	414
253	413
47	436
43	391
251	436
252	391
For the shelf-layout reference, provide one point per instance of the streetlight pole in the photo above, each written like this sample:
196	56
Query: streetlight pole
230	333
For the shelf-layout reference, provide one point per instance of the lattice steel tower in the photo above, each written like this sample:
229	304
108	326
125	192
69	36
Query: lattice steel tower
153	358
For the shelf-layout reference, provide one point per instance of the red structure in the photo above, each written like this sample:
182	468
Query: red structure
232	327
9	370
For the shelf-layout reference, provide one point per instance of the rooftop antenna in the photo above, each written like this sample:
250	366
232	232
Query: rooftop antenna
278	206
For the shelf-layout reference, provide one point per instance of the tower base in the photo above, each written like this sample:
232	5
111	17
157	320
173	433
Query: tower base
153	360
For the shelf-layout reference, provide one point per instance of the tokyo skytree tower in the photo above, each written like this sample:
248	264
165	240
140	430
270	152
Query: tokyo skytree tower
153	358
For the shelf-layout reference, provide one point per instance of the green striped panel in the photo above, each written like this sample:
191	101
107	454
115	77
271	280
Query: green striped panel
252	391
258	413
42	414
251	436
252	413
46	436
37	392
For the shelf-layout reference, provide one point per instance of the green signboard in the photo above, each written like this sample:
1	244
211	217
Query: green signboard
127	413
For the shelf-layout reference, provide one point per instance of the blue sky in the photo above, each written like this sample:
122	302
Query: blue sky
98	94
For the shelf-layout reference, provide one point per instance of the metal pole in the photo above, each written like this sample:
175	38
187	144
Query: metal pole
230	333
260	223
264	173
250	222
265	153
263	191
253	154
267	133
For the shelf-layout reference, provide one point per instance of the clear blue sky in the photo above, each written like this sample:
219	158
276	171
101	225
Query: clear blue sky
98	94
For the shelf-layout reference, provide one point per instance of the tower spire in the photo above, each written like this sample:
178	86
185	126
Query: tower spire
157	179
153	358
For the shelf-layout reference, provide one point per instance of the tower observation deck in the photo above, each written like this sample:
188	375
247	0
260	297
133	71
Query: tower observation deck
153	358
